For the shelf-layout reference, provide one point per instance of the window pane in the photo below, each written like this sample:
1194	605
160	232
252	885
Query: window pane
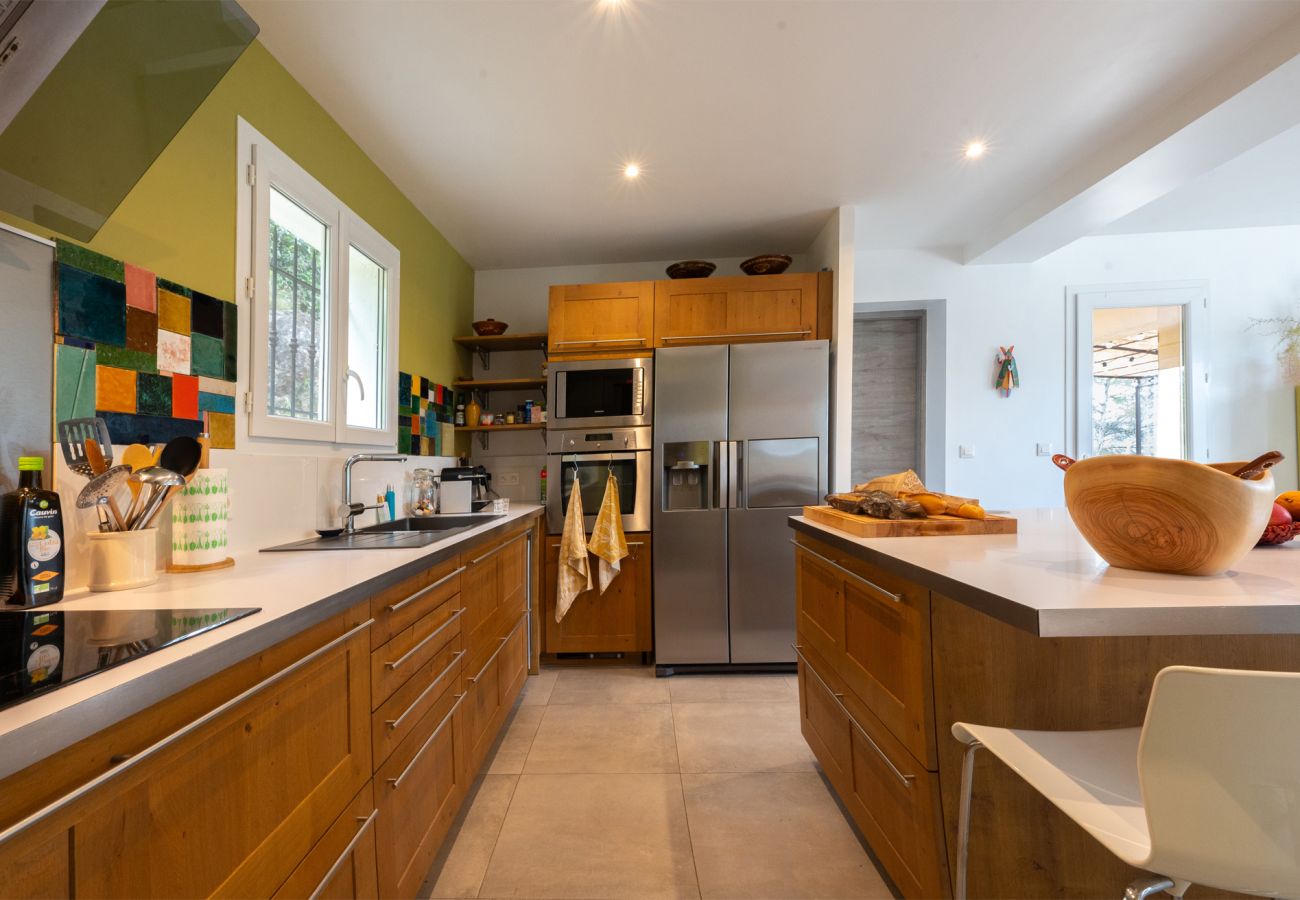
367	340
1138	381
299	311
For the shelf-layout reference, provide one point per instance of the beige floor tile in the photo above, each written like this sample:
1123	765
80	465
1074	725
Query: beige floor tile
537	688
507	758
610	685
615	737
730	688
463	860
775	836
741	737
593	836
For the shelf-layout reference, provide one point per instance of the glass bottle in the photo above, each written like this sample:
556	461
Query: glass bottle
422	493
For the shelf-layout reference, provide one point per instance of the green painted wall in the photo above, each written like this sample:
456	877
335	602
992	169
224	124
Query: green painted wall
179	220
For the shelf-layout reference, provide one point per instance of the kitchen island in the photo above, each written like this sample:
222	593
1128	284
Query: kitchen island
321	745
900	637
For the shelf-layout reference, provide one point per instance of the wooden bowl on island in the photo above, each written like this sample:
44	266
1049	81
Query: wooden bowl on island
1168	515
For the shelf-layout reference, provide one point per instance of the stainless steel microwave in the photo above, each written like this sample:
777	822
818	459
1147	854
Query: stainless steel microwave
601	393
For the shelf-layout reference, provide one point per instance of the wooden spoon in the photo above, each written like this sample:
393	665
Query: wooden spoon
138	457
1259	465
95	457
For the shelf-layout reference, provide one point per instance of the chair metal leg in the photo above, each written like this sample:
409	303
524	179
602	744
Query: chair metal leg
1144	888
963	817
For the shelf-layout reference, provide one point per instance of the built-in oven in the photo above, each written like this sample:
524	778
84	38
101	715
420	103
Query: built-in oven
585	458
601	393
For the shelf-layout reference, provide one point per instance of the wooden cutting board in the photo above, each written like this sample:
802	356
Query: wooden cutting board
932	526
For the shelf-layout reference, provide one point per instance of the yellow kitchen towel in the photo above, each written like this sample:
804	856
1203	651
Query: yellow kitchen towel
607	539
575	573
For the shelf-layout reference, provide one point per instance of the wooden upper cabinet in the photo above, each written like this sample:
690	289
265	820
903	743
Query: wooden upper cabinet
594	320
741	309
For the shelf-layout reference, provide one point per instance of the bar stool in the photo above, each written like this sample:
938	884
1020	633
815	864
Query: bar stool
1206	792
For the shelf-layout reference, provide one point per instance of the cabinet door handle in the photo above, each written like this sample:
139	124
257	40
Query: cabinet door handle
431	635
393	724
397	782
366	822
906	780
163	743
735	334
394	607
875	588
496	549
496	652
605	341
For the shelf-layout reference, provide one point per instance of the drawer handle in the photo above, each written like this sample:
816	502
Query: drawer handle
496	549
366	822
397	782
393	724
605	341
496	652
897	598
433	634
394	607
736	334
906	780
135	759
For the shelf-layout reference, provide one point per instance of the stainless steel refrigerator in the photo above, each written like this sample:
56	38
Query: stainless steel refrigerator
740	444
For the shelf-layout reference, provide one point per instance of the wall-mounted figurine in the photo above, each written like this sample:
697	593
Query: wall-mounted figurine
1008	377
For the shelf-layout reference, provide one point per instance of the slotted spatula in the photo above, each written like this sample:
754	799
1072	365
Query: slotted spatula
72	438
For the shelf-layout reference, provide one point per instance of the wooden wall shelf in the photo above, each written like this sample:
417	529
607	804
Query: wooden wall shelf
485	345
499	384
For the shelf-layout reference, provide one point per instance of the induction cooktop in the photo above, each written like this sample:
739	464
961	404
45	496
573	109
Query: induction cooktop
41	650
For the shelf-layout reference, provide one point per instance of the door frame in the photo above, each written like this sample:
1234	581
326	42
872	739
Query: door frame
933	372
1082	300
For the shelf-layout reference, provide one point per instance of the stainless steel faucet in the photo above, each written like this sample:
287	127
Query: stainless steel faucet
349	511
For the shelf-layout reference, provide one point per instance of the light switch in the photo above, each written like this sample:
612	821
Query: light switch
1045	449
966	451
506	479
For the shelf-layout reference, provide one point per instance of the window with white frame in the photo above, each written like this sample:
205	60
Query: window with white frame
323	289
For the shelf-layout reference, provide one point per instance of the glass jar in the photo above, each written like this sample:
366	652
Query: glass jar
421	493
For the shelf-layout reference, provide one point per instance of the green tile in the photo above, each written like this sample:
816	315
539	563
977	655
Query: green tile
123	358
153	395
404	439
207	356
74	377
231	329
89	261
175	288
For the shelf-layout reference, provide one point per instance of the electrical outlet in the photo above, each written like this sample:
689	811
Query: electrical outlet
966	451
506	479
1045	450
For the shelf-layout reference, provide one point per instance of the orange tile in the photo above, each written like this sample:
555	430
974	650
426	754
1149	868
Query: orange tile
114	389
173	312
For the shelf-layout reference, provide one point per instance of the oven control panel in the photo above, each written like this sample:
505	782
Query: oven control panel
598	440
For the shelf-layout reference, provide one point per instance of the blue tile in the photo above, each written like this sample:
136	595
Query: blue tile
91	307
404	390
218	403
128	428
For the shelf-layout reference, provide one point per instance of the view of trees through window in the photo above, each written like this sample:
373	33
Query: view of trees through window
1138	385
298	312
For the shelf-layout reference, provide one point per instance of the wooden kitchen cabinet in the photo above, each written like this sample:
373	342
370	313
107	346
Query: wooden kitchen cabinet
342	864
740	309
617	621
37	865
601	320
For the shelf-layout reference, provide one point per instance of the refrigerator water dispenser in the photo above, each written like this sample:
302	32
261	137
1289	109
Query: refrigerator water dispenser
686	468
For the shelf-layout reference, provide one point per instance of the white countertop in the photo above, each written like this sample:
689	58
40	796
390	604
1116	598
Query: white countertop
1047	580
294	591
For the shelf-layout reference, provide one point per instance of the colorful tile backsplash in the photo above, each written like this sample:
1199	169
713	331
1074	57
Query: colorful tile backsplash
425	412
152	357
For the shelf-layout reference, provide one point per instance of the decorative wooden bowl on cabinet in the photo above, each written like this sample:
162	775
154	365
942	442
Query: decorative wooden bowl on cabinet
1167	515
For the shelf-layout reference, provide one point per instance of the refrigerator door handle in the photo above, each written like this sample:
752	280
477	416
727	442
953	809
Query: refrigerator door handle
720	486
731	468
738	473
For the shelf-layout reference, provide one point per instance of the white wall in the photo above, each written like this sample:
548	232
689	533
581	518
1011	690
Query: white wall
833	249
1253	273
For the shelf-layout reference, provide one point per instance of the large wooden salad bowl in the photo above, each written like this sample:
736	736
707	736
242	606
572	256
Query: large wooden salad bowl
1167	515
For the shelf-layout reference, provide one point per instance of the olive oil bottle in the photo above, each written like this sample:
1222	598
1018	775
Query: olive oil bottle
31	540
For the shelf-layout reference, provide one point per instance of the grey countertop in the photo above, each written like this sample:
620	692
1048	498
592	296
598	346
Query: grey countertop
1049	582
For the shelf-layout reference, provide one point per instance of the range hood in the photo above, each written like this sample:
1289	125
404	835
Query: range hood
91	91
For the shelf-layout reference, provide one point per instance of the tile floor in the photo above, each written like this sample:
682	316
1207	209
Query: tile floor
610	783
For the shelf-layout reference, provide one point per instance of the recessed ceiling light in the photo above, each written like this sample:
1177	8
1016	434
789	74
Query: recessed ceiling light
631	170
976	149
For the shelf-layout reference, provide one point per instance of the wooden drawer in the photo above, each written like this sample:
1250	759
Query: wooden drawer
419	791
494	581
394	663
892	797
37	866
241	796
873	629
403	604
342	864
512	664
397	718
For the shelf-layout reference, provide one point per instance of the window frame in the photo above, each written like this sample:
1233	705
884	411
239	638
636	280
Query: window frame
1193	297
262	166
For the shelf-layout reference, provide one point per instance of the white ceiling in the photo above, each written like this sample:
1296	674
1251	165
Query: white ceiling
1258	188
507	122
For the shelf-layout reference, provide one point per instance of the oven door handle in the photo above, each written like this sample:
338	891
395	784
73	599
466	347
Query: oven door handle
599	457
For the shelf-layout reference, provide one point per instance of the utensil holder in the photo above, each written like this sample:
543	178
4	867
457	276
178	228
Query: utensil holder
200	516
120	560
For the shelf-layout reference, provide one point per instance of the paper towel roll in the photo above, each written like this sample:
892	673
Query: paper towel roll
201	518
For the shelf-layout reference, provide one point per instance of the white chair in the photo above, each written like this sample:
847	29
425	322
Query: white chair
1206	792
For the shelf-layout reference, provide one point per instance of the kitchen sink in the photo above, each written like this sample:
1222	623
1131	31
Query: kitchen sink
398	534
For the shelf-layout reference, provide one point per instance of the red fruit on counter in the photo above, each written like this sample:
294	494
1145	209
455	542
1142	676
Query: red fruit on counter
1280	515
